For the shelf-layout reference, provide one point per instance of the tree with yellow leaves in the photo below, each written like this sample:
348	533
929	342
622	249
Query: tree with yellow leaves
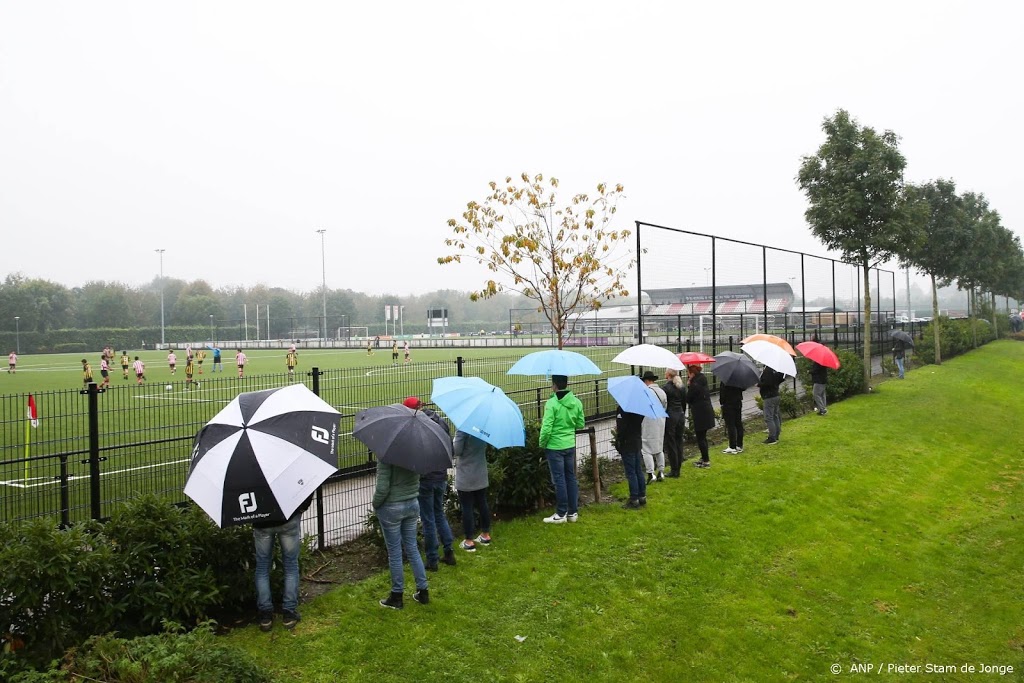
566	258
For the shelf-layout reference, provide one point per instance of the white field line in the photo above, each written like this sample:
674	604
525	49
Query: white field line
20	483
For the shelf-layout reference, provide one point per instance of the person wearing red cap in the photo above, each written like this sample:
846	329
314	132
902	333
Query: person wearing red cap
433	488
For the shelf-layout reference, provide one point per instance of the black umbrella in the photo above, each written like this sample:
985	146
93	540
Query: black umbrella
902	336
404	437
735	370
261	456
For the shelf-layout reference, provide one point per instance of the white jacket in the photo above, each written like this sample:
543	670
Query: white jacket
652	430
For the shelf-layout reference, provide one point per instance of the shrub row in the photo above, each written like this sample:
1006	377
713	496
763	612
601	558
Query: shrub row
75	341
955	336
150	563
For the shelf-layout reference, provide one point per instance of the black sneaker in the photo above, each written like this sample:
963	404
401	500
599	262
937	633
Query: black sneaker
393	601
431	566
703	464
661	476
771	442
290	619
421	596
643	501
449	557
266	621
631	504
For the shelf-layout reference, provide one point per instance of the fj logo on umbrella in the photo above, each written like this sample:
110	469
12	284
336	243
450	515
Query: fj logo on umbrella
320	434
247	502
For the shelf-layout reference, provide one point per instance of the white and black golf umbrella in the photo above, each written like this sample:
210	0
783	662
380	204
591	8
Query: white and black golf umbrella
263	455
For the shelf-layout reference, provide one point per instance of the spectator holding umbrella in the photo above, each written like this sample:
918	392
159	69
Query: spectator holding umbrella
731	400
433	487
899	350
653	429
628	442
471	483
698	397
675	425
563	415
768	385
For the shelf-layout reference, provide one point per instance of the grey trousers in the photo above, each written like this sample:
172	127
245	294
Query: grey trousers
819	398
772	417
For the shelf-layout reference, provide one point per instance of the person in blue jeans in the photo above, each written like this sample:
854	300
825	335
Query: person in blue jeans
563	415
396	502
629	444
289	534
433	486
899	351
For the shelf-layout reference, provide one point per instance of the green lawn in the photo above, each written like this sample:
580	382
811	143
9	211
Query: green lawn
885	533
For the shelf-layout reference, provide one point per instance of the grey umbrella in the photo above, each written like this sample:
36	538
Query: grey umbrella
902	336
404	437
735	370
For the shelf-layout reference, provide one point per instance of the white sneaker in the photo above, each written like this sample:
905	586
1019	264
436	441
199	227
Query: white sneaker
730	451
573	517
555	519
738	450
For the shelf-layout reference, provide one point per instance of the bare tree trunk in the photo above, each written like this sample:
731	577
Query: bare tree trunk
995	325
935	323
867	323
974	316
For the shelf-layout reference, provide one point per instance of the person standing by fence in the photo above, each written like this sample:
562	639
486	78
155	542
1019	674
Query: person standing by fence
768	385
731	400
675	425
433	487
653	431
471	483
899	351
819	380
628	442
698	397
563	415
289	535
395	502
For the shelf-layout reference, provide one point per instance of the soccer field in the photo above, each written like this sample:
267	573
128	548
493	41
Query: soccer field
144	433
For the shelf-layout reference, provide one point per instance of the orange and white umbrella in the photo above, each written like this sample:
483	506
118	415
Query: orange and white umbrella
771	339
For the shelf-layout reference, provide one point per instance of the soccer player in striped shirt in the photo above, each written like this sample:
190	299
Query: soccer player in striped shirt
140	370
104	372
86	372
240	361
290	359
172	360
189	369
200	357
125	362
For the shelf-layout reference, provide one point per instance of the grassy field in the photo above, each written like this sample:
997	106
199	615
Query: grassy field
885	534
145	432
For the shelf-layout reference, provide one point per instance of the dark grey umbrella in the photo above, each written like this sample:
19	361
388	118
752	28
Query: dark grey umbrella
902	336
404	437
735	370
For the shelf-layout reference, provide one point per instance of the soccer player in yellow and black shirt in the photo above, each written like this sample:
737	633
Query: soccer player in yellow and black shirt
291	359
86	372
189	368
200	357
125	362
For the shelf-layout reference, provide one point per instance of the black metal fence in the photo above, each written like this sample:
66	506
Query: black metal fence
95	448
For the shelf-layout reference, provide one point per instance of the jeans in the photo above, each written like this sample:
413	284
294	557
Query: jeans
733	418
290	536
398	522
563	476
632	463
899	364
819	398
773	418
431	501
474	501
673	447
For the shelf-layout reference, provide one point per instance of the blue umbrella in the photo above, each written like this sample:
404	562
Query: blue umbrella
480	409
633	396
554	362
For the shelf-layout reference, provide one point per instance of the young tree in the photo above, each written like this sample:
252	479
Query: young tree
567	258
854	185
939	212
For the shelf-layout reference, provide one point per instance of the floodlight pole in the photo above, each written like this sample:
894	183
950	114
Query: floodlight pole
161	252
213	340
323	266
17	335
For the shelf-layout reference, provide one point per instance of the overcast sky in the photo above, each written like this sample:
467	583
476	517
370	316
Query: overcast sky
228	132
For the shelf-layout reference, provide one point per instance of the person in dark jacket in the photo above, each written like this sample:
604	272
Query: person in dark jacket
675	425
819	378
731	400
768	385
899	351
629	443
698	397
289	535
433	487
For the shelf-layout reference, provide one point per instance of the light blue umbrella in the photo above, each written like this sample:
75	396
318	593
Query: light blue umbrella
633	396
481	409
554	362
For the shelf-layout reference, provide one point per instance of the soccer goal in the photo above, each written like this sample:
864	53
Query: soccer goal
353	333
734	324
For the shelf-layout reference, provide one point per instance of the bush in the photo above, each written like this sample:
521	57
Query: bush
519	477
955	336
150	563
846	381
170	657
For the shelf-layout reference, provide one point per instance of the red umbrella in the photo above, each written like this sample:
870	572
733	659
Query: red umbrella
695	358
819	353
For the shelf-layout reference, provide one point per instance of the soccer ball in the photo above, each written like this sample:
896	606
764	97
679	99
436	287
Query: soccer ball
168	388
197	385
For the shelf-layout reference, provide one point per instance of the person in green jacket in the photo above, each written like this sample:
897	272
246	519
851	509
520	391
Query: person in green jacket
563	415
398	510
